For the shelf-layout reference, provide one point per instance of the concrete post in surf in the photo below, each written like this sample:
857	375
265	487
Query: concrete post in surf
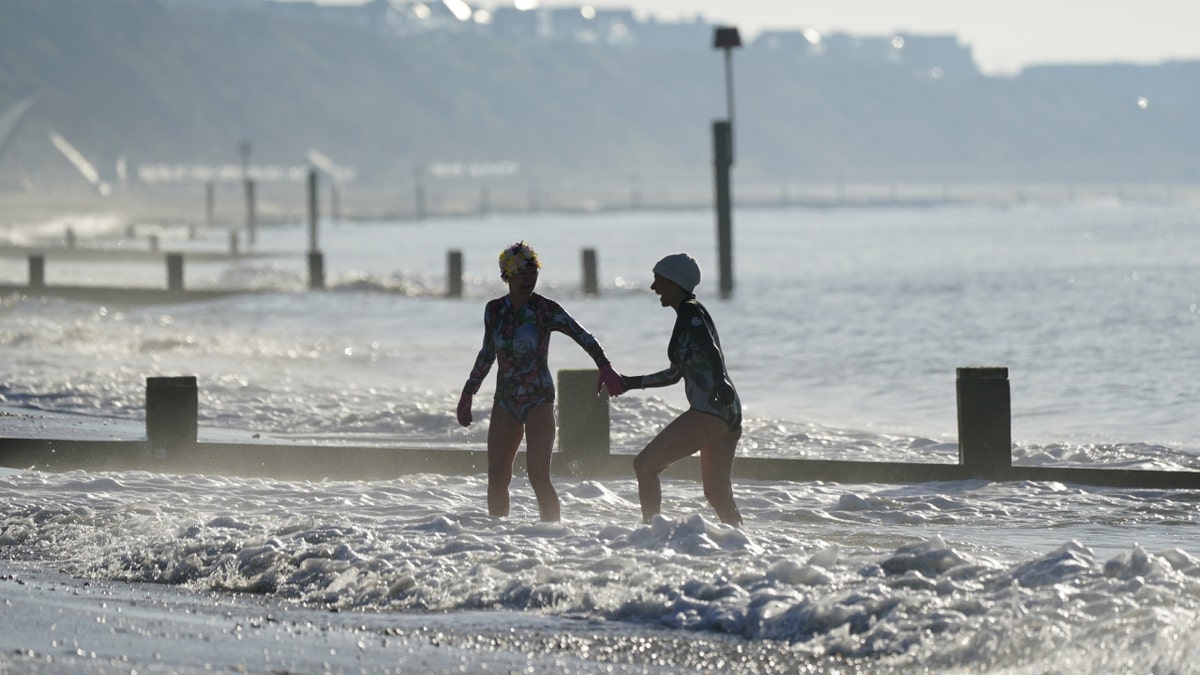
171	410
583	421
984	421
316	262
37	271
590	284
723	160
175	271
454	274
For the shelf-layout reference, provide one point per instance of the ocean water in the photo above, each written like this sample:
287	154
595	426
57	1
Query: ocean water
843	337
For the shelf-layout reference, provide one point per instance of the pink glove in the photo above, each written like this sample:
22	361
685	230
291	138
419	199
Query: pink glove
610	380
464	409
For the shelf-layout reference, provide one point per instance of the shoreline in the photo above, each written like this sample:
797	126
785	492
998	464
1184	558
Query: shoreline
184	205
58	622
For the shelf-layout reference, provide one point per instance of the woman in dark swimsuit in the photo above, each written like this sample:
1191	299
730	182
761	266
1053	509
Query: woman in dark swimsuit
713	423
516	332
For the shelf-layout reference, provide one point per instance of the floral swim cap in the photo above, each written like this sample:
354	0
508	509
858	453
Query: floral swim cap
516	259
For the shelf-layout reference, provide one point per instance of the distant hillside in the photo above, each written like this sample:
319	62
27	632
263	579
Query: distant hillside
135	83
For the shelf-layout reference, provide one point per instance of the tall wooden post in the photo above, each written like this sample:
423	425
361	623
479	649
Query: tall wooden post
316	262
210	201
723	160
251	214
984	421
312	210
725	38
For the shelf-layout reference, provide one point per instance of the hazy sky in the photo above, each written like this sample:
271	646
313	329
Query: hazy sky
1005	35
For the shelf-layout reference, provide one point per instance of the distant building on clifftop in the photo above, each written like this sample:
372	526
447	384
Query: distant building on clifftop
933	56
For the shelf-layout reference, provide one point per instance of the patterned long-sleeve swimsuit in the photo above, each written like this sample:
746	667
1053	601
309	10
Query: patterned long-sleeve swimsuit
519	341
695	355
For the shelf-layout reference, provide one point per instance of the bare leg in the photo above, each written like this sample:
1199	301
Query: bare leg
504	438
687	434
539	449
716	468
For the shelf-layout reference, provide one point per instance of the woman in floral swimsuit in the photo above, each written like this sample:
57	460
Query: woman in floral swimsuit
516	333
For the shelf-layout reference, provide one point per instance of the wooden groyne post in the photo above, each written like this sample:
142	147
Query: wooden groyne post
591	284
171	412
210	200
251	214
723	160
37	271
175	271
316	262
984	421
583	421
454	274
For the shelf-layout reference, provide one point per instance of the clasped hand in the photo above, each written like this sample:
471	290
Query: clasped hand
609	380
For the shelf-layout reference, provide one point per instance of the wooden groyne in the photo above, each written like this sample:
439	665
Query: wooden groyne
171	446
174	291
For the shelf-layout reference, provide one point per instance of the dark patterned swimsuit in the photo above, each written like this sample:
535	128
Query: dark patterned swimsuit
695	354
520	341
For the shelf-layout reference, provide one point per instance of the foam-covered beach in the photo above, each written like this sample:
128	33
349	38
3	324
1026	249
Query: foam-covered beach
843	338
56	623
